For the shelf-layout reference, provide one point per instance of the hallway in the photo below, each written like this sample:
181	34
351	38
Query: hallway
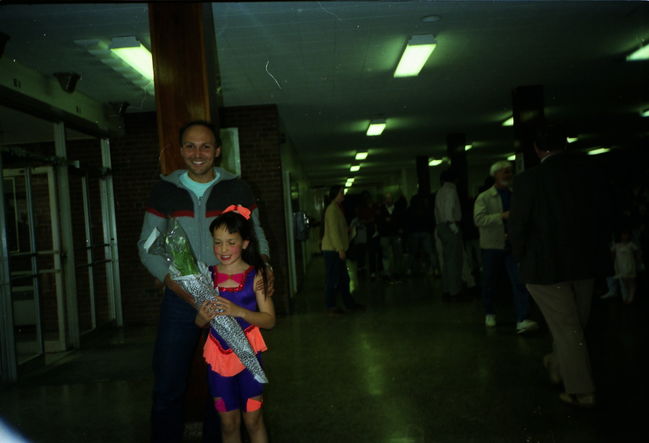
412	368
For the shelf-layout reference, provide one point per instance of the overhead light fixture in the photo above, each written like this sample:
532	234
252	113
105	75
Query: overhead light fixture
376	127
598	151
468	147
349	182
572	139
134	54
435	162
355	168
511	157
105	53
639	54
415	55
509	121
361	156
645	113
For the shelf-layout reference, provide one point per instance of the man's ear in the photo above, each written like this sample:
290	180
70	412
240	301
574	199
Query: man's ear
217	152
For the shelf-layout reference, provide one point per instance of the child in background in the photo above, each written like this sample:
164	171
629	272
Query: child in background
626	256
242	282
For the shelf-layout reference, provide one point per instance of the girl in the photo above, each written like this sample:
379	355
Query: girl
242	282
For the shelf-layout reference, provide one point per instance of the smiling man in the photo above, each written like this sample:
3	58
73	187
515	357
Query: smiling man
194	196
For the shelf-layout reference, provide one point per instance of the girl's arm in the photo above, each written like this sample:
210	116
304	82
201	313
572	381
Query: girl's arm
264	318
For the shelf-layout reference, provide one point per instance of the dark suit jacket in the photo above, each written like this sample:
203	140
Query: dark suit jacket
559	222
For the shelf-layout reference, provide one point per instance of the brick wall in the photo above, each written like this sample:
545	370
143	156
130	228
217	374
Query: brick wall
259	149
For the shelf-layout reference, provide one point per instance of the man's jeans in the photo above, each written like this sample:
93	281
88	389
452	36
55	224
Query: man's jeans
172	358
336	278
492	260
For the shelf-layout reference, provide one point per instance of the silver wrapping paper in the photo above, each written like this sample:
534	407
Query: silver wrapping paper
200	286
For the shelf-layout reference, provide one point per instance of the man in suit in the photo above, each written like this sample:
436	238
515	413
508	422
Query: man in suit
559	232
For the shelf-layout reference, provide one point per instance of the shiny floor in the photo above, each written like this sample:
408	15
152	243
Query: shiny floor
412	368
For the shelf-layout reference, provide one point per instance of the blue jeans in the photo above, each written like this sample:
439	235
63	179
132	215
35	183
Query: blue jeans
492	259
172	358
336	279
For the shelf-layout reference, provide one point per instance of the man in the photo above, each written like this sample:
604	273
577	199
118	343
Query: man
389	223
195	196
490	213
448	215
559	233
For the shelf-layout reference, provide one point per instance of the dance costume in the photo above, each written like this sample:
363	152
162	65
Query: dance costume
230	382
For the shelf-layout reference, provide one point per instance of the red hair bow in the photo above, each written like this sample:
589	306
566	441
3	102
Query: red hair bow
241	210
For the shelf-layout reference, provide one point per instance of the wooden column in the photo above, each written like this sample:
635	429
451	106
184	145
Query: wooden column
183	46
527	106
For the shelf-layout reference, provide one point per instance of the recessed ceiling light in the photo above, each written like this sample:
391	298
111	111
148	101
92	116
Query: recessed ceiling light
435	162
430	18
468	147
572	139
509	121
598	151
376	127
645	113
512	157
361	156
415	55
639	54
355	168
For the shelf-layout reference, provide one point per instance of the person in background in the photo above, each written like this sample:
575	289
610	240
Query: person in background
490	213
560	229
448	215
335	242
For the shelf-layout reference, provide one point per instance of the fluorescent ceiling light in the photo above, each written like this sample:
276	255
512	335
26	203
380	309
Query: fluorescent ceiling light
435	162
598	151
376	127
134	54
639	54
414	57
361	156
509	121
355	168
468	147
645	113
572	139
349	182
512	157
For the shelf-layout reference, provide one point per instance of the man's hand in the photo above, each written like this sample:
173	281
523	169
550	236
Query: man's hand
176	288
342	254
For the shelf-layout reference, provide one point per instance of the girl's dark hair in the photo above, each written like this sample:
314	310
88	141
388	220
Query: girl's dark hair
237	223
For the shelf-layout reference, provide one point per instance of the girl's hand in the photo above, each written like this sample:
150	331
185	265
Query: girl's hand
206	313
226	307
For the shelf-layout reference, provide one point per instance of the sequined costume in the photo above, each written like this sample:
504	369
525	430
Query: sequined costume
228	378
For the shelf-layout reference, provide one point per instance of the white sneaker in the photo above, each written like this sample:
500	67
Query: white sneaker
490	320
526	326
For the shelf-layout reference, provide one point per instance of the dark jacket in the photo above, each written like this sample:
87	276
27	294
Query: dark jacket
560	221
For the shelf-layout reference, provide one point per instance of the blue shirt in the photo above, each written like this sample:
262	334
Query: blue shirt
196	187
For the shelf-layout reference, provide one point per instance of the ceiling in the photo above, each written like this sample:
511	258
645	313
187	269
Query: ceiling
328	66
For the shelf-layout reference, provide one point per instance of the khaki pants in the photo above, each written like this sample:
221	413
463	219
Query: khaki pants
566	308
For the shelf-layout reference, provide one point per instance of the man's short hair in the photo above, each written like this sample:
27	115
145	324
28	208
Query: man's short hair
550	137
502	164
204	123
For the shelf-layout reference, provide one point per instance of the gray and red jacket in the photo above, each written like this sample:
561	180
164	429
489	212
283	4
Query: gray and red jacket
170	198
